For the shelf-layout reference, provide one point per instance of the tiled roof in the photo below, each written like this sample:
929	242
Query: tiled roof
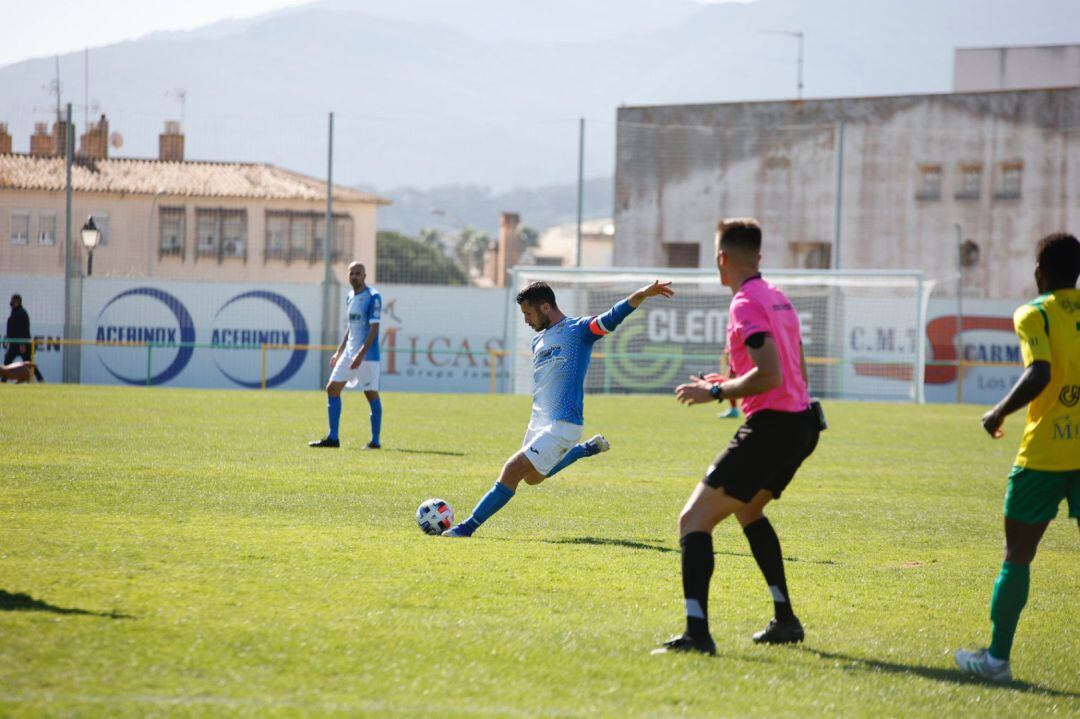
152	177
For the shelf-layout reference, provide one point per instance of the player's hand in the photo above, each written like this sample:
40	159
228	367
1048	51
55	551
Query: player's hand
696	391
991	422
333	359
355	364
658	288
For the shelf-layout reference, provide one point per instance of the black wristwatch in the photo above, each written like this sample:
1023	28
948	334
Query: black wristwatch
717	392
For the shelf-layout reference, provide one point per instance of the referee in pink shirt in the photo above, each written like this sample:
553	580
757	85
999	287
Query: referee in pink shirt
781	430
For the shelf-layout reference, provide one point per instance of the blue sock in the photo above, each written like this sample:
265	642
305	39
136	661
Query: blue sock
489	504
576	452
376	419
333	411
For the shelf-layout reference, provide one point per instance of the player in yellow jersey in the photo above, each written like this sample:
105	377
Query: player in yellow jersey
1047	468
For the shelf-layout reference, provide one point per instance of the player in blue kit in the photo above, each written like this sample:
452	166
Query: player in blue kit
356	361
561	354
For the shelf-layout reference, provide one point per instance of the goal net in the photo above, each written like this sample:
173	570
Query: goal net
862	330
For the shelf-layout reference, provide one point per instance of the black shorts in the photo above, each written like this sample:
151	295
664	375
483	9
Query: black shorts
764	454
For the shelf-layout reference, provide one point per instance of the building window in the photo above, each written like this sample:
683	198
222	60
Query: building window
970	182
343	238
929	183
221	233
298	236
234	234
1010	175
811	255
46	228
171	228
20	227
681	254
101	221
277	229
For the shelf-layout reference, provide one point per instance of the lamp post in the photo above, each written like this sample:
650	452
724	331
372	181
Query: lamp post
91	236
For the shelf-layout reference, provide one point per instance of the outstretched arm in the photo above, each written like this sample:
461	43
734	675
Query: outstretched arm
607	322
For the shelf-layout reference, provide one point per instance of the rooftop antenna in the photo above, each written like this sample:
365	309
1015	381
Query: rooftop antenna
796	34
180	94
54	88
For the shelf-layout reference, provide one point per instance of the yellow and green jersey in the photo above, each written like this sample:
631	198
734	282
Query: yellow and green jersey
1049	331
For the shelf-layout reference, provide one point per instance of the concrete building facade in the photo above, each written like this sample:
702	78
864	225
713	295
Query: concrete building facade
980	69
859	183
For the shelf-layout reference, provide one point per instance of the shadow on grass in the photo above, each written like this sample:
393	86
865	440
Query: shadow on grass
25	603
424	451
938	674
602	541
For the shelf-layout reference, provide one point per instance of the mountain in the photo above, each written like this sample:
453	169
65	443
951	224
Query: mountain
488	92
451	207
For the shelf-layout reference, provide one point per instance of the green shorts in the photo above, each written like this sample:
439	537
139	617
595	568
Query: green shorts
1033	496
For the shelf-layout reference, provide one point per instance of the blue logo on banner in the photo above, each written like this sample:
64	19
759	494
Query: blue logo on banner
163	336
259	337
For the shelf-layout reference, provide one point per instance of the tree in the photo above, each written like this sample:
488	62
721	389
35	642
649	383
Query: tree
529	237
405	260
470	246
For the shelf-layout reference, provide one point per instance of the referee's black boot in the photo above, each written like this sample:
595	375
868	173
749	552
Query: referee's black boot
687	643
325	442
788	631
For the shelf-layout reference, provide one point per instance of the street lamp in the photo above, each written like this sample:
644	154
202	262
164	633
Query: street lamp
91	236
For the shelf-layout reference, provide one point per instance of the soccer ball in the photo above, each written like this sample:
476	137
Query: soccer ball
434	515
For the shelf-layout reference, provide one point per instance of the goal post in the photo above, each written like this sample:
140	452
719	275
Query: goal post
863	331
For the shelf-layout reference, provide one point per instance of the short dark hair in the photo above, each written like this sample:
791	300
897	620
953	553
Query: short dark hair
536	293
17	297
1058	256
742	234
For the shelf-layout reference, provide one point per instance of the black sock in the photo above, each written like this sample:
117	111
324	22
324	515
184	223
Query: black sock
770	560
697	569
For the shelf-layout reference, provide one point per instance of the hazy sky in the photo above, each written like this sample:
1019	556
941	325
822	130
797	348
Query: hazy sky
48	27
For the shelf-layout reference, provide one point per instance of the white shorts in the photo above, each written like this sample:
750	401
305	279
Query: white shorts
546	444
366	375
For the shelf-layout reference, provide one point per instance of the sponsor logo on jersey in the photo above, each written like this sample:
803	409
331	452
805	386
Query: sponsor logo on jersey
1069	395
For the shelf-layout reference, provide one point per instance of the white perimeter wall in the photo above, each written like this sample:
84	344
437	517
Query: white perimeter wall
434	339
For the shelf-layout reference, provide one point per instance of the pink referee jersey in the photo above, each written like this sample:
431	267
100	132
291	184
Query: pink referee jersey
760	307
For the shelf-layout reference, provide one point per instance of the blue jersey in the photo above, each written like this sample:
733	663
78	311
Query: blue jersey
561	355
364	309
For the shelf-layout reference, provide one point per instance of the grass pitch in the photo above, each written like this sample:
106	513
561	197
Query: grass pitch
181	552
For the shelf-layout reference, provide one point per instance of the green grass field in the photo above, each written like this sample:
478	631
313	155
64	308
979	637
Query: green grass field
180	552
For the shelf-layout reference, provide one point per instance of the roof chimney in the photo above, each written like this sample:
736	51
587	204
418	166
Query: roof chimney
60	134
171	143
94	143
5	139
41	142
509	248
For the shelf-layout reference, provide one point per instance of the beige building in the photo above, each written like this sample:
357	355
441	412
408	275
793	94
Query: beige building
856	183
557	245
171	218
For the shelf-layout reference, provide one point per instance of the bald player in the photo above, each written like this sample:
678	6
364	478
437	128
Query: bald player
356	361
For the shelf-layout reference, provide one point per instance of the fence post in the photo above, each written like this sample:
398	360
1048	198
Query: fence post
264	365
331	294
149	363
